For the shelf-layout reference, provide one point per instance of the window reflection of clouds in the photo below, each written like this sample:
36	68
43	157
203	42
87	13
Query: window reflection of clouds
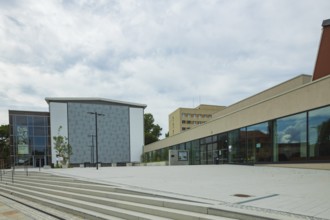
316	119
292	129
263	127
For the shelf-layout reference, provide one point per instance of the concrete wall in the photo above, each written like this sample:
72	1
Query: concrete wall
301	98
58	117
136	133
315	166
269	93
174	157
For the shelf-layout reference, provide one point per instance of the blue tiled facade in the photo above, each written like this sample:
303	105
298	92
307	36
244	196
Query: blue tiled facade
113	132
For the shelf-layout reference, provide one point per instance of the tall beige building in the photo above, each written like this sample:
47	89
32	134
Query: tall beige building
185	118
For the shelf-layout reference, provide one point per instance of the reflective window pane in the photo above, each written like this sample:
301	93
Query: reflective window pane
39	121
39	141
291	138
39	131
209	154
21	120
233	146
319	134
39	150
195	152
203	149
259	142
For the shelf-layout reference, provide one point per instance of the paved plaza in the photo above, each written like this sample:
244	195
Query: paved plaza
303	193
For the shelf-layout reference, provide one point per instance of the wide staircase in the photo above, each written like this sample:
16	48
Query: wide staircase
87	200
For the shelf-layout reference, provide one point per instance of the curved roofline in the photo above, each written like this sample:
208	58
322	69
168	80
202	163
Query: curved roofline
93	99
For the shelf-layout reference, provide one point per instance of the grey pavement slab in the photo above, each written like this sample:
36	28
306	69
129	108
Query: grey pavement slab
299	191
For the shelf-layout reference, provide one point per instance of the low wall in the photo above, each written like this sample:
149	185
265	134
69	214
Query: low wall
161	163
316	166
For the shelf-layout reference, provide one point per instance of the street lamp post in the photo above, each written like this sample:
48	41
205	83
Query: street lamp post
97	150
92	148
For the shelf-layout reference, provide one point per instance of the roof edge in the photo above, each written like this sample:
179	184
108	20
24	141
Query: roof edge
326	23
93	99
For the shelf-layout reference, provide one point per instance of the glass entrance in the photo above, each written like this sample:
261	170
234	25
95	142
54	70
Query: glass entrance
39	161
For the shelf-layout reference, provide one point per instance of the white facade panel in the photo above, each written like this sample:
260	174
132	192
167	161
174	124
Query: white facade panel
136	133
58	117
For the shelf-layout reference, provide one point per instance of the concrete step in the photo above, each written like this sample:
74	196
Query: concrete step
53	183
101	204
143	199
84	195
116	214
87	194
43	177
119	209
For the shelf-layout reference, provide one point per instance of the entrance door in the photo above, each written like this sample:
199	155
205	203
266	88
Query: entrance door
40	162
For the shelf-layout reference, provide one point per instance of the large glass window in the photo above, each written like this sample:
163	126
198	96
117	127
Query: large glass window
188	148
21	120
182	146
210	154
242	149
30	137
39	150
259	142
291	138
195	152
203	149
223	148
237	146
40	131
40	141
233	147
319	134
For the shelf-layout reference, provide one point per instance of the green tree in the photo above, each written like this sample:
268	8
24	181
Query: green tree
4	144
62	147
152	131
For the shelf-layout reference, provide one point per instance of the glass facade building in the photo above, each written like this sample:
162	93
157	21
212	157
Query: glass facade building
302	137
30	138
119	132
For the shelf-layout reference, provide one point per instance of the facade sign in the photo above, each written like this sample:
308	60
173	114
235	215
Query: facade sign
22	140
183	155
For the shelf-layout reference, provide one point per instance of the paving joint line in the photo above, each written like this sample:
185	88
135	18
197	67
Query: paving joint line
256	199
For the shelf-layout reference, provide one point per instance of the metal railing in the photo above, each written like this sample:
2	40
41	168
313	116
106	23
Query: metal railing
2	168
14	164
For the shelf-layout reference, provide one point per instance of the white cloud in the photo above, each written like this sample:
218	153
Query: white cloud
166	54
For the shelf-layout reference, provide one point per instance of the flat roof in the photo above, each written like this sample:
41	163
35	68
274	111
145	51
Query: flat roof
95	100
25	112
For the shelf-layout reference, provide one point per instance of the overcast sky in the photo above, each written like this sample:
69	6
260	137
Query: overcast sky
166	54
